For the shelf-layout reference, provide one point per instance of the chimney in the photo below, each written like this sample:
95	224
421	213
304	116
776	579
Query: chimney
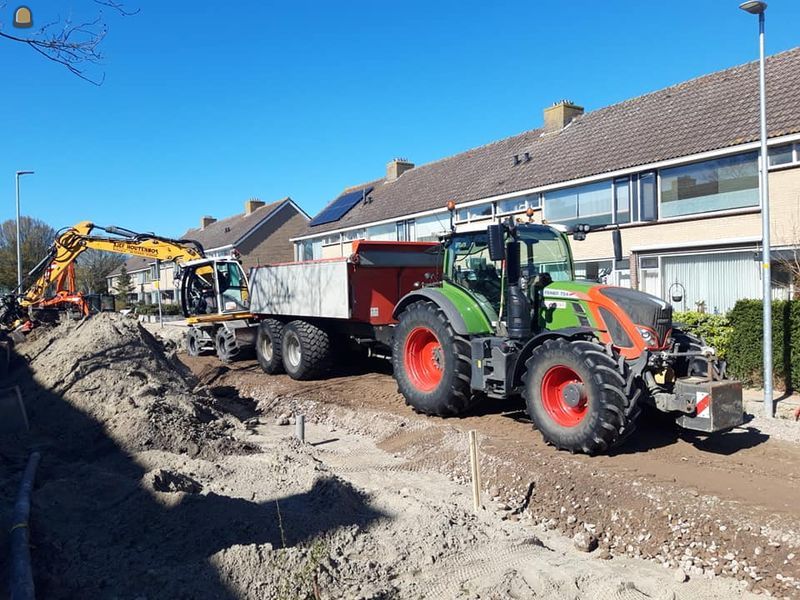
252	205
206	221
560	115
396	167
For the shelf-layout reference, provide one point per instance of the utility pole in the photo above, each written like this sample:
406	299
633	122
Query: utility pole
756	7
19	237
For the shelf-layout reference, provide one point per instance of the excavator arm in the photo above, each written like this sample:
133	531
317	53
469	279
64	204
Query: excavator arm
77	239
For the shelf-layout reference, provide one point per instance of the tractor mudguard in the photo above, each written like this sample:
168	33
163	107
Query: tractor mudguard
465	314
539	339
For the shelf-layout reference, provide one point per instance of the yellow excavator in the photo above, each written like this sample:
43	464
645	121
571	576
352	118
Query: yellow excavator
214	291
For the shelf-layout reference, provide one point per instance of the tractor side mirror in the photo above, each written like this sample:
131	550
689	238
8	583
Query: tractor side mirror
616	238
496	242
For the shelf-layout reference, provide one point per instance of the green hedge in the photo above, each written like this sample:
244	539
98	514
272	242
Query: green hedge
716	330
152	309
746	348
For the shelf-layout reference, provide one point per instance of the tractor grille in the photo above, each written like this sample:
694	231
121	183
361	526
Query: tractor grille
643	309
663	323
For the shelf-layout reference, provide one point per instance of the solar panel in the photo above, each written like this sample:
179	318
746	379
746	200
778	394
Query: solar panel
340	207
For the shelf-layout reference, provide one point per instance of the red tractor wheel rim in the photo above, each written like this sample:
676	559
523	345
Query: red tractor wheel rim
557	384
423	359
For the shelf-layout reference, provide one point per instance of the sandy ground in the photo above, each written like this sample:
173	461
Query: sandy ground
160	483
711	505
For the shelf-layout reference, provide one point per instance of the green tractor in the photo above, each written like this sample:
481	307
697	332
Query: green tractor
508	318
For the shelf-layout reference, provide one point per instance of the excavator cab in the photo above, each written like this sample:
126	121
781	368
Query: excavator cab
213	287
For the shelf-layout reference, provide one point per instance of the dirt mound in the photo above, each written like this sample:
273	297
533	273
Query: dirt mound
112	370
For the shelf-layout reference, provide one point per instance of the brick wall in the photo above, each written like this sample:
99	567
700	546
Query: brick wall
270	243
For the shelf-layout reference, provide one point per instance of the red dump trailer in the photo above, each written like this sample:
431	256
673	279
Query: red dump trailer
309	310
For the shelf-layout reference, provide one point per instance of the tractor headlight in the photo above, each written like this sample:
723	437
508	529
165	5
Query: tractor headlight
647	335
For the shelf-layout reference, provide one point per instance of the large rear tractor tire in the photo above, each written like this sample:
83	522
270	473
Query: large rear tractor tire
268	346
306	350
431	363
576	397
226	345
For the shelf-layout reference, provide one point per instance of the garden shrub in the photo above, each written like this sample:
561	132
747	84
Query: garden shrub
746	343
714	329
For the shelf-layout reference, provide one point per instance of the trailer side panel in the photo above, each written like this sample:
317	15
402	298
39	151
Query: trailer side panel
311	289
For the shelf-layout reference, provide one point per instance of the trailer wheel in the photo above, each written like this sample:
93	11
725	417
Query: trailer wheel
193	347
306	350
226	344
431	363
575	396
268	346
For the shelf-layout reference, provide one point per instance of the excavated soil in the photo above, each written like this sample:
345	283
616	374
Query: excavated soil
157	483
710	505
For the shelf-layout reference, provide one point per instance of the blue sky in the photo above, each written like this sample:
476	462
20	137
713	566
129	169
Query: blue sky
204	107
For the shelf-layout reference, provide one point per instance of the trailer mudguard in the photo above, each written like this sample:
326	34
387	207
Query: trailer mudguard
463	312
539	339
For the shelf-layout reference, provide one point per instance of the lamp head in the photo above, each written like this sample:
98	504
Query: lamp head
754	7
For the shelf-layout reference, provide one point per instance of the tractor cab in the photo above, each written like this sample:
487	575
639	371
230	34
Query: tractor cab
212	287
493	264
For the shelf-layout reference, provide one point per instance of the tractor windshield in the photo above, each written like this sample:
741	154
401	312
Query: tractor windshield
542	250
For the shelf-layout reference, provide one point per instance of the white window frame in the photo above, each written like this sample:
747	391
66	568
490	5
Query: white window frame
499	213
795	161
476	218
406	231
353	235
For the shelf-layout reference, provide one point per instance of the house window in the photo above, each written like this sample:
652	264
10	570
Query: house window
711	185
648	262
406	231
330	240
596	270
781	155
354	234
591	203
622	200
305	250
648	208
787	154
518	204
474	213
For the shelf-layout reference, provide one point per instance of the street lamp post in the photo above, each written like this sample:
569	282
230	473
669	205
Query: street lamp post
756	7
19	237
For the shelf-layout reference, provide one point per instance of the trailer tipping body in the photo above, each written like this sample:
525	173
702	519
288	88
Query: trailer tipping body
363	287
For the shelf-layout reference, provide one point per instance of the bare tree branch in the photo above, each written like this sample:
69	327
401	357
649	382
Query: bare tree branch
118	6
75	46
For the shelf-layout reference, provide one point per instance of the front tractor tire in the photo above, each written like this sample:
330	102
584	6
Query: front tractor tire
575	396
306	350
431	363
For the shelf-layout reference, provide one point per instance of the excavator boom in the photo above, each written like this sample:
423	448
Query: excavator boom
75	240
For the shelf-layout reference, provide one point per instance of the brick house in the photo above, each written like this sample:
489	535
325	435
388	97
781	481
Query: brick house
675	170
260	234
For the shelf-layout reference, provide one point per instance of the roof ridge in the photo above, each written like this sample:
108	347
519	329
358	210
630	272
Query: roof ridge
690	81
604	108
